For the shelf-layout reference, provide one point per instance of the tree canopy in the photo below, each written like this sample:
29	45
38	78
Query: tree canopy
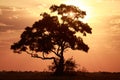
54	34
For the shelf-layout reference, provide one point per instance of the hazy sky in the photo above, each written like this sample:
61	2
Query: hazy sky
102	15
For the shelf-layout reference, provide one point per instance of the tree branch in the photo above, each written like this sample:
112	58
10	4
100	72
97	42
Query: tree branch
55	53
43	57
58	49
29	52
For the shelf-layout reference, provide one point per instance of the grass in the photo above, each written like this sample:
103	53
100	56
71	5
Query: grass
49	76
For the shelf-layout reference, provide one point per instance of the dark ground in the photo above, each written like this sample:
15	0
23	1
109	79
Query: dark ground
49	76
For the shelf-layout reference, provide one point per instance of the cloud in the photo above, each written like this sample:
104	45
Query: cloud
15	18
8	11
11	11
113	31
40	5
115	20
10	8
114	24
0	12
106	33
4	25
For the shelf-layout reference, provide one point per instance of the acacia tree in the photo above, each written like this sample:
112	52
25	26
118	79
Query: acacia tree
54	34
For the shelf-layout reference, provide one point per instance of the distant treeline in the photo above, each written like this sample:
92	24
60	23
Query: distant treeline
52	72
36	75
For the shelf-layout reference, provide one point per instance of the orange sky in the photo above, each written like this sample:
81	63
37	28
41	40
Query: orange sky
102	15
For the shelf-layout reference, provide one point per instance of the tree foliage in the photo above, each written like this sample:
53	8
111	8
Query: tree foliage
54	34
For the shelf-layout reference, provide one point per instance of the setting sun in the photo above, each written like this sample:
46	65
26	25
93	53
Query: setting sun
81	6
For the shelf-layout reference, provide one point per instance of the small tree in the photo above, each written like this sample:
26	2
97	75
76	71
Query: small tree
54	34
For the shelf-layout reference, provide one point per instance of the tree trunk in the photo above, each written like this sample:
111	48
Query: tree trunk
60	66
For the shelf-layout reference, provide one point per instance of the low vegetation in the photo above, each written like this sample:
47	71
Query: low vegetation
11	75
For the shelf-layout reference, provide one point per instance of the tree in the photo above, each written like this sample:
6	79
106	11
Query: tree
54	34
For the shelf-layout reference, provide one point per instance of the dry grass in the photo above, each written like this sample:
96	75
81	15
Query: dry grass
49	76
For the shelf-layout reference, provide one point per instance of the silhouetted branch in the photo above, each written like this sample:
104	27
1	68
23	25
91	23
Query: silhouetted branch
48	58
43	56
56	53
29	52
37	56
58	49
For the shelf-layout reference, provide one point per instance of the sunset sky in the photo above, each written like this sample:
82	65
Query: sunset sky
102	15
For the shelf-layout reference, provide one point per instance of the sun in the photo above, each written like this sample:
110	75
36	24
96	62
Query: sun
82	6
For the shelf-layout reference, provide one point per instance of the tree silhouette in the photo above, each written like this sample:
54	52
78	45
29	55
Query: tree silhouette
54	34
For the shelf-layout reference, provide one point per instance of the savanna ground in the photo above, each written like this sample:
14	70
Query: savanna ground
49	76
